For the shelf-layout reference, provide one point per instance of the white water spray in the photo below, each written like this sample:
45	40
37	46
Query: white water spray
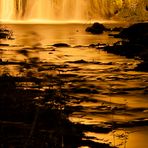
65	10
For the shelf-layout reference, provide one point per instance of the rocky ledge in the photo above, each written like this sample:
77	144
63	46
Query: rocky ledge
134	44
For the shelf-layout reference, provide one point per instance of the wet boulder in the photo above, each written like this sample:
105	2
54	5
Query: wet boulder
96	28
134	41
143	40
126	49
61	45
117	29
133	45
5	34
135	32
143	66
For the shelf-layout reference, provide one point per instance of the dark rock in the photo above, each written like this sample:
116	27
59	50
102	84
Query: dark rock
143	66
128	50
143	40
135	31
84	90
67	75
4	44
5	34
94	128
23	52
117	29
94	45
144	54
133	45
96	28
61	45
79	62
84	62
78	46
95	144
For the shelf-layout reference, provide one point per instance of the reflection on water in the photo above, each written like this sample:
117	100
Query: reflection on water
105	87
50	34
31	38
124	138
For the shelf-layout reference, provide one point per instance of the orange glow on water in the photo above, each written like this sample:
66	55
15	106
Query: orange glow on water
116	93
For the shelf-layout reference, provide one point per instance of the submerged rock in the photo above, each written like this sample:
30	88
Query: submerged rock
79	61
96	28
61	45
4	44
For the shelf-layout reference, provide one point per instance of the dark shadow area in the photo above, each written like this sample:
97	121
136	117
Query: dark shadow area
34	110
133	45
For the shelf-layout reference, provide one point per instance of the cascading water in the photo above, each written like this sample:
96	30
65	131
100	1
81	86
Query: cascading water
67	10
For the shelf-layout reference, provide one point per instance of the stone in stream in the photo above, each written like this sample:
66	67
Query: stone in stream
5	34
96	28
61	45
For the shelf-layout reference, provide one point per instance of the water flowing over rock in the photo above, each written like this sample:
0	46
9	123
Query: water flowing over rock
70	10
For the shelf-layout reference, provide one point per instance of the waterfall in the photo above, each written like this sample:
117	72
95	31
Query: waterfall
6	9
67	10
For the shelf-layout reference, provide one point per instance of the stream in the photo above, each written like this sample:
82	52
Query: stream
106	89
